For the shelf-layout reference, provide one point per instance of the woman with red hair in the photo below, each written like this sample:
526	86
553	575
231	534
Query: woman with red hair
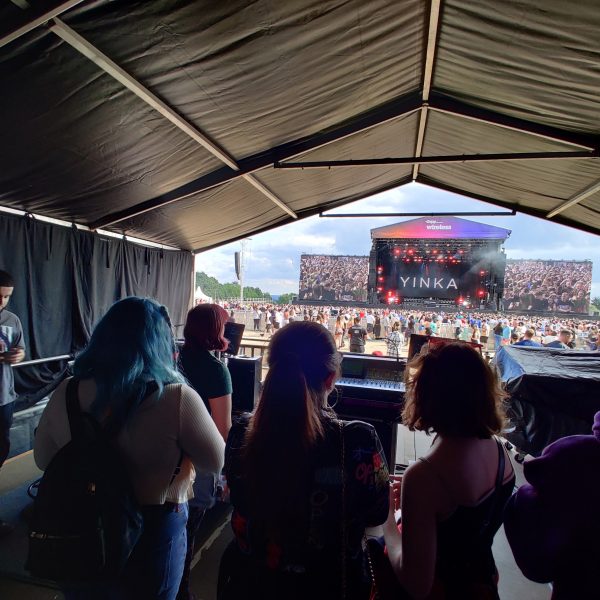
204	334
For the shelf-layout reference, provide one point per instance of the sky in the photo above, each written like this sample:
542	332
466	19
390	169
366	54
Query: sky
273	258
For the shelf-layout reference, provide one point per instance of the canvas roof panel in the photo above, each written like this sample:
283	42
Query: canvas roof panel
218	93
535	60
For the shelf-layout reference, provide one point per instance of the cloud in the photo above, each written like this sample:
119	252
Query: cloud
322	243
389	201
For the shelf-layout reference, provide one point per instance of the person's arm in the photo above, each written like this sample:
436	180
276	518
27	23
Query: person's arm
199	437
16	353
412	553
220	409
529	531
369	477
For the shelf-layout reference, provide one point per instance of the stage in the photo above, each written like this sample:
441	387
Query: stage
437	260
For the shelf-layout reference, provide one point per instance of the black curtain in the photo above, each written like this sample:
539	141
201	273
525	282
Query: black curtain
66	279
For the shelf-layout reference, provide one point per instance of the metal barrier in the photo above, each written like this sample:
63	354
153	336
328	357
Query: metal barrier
254	345
40	361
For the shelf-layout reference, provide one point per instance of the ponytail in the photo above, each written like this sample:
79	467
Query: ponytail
288	423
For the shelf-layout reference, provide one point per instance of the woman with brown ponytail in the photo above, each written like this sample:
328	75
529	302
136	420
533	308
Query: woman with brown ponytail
303	484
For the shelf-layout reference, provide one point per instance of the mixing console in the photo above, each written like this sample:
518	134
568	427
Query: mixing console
371	389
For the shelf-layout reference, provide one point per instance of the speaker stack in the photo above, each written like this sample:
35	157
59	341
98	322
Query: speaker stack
245	373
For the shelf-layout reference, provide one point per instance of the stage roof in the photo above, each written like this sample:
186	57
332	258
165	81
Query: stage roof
171	120
445	228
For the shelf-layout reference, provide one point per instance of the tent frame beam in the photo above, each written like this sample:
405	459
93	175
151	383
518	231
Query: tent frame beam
527	210
396	109
399	108
434	19
82	45
410	160
511	213
310	212
445	104
35	18
578	197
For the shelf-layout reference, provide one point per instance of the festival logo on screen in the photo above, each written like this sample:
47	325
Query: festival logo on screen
548	285
330	278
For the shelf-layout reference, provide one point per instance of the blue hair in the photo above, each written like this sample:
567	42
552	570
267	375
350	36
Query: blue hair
131	346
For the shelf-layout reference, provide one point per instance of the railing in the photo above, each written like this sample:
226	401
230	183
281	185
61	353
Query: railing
40	361
244	301
253	346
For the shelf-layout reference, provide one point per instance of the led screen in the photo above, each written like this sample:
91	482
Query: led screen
548	285
330	278
421	278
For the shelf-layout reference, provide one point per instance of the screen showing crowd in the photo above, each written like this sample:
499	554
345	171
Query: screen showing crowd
326	277
548	285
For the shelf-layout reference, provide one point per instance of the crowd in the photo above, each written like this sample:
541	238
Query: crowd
395	326
548	285
304	485
332	278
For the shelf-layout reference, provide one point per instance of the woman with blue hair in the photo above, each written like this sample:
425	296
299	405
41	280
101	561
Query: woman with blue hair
127	380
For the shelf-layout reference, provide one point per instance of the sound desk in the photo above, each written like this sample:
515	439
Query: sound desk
371	389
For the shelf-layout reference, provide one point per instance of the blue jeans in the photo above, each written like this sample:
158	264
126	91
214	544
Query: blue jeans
6	419
156	565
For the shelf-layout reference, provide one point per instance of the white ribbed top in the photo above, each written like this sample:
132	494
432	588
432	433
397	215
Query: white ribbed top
151	442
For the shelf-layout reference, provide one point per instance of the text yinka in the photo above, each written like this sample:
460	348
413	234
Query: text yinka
428	282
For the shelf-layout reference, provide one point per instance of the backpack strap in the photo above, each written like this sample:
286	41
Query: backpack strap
151	387
75	415
499	478
177	468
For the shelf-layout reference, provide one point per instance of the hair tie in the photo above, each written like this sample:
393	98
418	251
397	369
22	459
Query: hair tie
165	313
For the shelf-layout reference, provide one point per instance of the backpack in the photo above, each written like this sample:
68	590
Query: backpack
86	520
498	329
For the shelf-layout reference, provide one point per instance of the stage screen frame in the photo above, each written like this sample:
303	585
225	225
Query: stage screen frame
562	286
403	271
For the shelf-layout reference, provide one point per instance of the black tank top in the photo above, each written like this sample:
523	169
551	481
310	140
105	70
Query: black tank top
464	540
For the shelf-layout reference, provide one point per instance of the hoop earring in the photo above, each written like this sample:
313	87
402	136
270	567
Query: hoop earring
336	400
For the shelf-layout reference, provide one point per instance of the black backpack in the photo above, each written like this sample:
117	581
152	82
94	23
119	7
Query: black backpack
86	520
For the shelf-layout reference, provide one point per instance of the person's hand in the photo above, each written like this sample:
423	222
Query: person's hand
395	492
390	527
14	356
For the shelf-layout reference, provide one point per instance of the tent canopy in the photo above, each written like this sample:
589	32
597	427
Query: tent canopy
200	295
186	122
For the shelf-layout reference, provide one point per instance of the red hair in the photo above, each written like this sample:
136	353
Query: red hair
204	327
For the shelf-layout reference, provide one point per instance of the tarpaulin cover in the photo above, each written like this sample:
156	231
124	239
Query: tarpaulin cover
297	80
66	279
553	393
